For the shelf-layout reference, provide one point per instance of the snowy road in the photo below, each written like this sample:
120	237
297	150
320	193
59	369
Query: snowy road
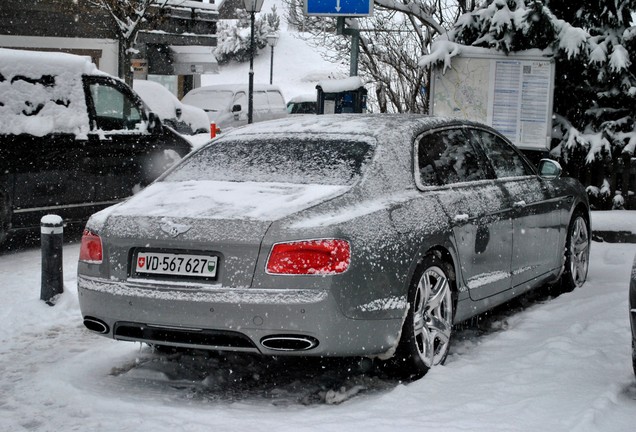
541	364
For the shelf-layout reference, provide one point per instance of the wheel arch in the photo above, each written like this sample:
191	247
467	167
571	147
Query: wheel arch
446	254
582	209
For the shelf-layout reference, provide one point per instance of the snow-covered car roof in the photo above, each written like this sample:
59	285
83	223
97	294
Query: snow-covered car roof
234	87
383	127
163	103
42	92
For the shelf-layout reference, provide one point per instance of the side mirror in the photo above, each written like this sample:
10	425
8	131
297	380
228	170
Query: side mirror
155	126
237	108
550	169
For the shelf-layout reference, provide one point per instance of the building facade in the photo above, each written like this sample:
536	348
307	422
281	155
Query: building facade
176	51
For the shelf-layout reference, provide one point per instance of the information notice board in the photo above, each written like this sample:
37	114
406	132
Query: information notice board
511	93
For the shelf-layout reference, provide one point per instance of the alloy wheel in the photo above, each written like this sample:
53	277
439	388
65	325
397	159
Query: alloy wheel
579	251
432	316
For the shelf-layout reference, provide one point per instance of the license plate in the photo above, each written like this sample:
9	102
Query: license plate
176	264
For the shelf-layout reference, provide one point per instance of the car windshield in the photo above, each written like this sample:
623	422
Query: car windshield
210	100
280	160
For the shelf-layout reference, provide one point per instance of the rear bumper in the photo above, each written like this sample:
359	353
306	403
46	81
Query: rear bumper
232	319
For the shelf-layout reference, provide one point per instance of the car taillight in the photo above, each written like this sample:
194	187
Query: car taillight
91	248
328	256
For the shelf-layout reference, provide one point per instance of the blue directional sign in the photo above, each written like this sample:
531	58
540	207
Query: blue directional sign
350	8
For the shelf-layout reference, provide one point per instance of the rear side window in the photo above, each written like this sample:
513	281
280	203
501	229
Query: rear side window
505	160
280	160
447	156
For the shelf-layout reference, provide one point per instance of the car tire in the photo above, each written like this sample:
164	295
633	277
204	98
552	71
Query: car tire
427	329
577	254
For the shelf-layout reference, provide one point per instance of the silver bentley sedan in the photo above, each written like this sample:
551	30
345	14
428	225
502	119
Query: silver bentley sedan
342	235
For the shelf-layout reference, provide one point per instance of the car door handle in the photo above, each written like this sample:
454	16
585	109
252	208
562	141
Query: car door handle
459	218
519	204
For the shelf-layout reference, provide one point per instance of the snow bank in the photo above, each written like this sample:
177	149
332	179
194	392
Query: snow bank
614	220
559	364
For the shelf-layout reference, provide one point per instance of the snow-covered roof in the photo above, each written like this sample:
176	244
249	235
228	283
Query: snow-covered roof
337	86
305	97
442	51
42	92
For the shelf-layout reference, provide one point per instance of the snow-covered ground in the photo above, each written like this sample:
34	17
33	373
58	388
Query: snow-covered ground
559	364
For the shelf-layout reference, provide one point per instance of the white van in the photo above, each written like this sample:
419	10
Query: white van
227	104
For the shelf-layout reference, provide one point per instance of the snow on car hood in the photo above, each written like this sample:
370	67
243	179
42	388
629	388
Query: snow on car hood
226	200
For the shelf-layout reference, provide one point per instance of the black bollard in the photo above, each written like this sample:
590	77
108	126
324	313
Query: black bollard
51	234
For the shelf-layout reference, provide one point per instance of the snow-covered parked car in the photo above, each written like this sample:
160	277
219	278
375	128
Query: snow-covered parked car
181	117
302	104
334	235
227	104
73	140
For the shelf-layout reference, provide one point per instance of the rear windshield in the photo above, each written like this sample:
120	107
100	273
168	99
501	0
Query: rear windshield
280	160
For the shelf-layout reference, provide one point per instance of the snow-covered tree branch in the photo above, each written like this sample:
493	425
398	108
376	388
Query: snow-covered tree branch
234	36
128	18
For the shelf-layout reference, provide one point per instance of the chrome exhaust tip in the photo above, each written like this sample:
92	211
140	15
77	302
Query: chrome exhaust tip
289	342
96	325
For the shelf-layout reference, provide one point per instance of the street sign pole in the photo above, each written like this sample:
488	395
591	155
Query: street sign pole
355	44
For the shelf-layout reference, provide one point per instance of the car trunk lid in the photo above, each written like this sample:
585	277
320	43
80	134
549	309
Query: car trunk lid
225	219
